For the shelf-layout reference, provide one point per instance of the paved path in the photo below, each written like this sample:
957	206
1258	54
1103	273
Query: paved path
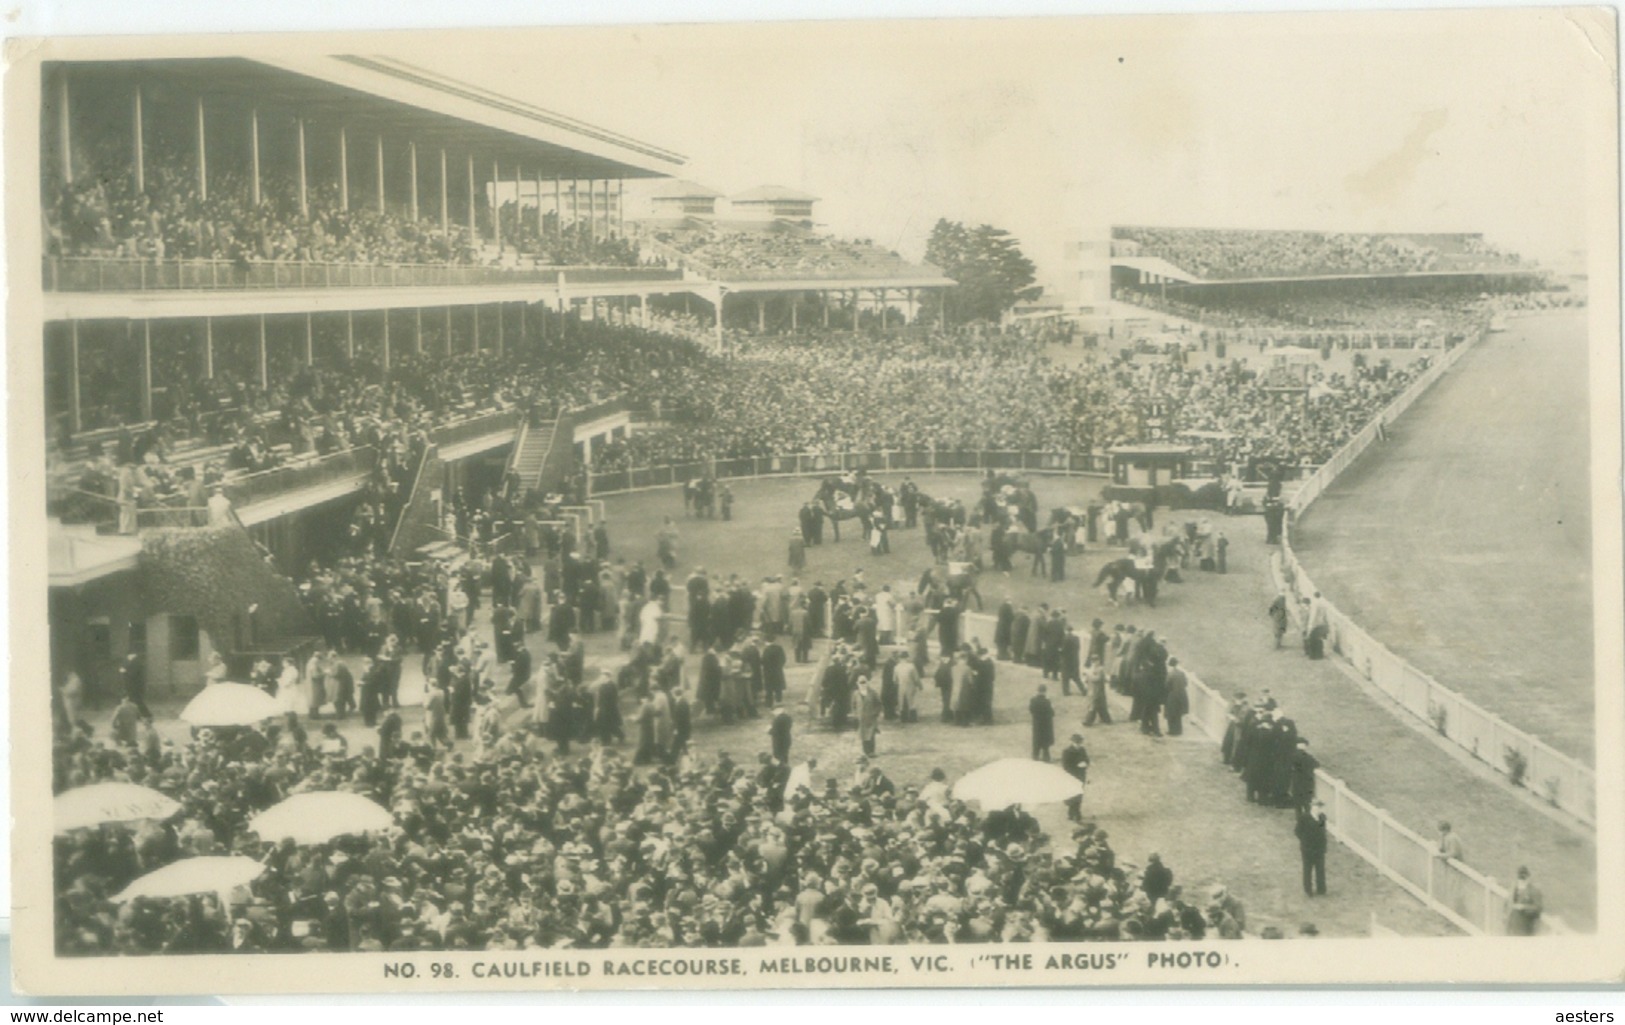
1464	543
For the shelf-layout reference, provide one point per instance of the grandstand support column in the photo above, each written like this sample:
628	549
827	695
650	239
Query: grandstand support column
910	312
523	305
519	206
501	342
380	174
476	312
473	229
620	207
64	121
761	316
386	343
310	341
823	301
344	169
716	314
445	212
558	206
140	138
146	369
793	305
496	207
575	203
880	294
412	155
349	335
417	336
265	370
74	406
304	182
202	154
448	330
208	347
254	152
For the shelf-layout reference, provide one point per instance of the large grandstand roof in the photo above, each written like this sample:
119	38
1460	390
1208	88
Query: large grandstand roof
390	97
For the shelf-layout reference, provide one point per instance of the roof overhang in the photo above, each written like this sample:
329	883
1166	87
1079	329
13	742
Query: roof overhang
375	96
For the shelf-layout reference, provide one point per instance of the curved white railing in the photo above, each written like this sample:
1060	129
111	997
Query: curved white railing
1470	900
1528	761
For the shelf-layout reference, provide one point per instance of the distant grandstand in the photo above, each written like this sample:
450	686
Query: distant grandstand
1222	255
1393	282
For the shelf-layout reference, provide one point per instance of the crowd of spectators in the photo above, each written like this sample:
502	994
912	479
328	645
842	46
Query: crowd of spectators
781	251
910	391
104	215
1363	314
1223	254
540	237
521	849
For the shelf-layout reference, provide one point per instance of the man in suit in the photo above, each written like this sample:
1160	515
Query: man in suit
779	733
710	684
869	714
1043	717
1177	703
1003	630
948	626
699	608
773	683
1075	760
1071	662
1311	833
1054	637
1098	640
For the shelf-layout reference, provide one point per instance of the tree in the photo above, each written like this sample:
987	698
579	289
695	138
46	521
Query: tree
991	272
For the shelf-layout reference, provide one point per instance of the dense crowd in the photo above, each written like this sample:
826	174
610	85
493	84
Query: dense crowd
961	391
781	251
104	215
1347	313
516	847
1228	254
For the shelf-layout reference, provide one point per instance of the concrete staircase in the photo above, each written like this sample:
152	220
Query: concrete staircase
530	454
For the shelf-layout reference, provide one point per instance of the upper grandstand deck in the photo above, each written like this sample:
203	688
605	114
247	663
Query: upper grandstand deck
753	255
341	171
1212	256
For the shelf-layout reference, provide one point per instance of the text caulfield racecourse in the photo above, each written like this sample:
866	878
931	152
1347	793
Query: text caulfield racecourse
1060	961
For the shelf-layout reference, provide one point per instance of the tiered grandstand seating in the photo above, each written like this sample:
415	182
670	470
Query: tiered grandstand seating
1224	254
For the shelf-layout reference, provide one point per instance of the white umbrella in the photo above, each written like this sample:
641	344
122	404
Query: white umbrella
320	816
195	875
93	805
230	704
1017	781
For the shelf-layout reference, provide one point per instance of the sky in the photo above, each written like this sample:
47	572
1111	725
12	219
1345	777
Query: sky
1056	128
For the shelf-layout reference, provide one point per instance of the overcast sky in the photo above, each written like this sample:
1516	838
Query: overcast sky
1055	128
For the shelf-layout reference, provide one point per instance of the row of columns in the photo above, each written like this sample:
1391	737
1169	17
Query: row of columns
881	296
614	213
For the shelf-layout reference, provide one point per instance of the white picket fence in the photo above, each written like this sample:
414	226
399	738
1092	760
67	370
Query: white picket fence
1470	900
1555	777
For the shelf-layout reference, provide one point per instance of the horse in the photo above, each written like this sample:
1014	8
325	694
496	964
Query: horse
1114	573
828	501
1031	542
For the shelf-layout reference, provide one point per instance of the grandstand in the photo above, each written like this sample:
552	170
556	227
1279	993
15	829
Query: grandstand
249	266
230	239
